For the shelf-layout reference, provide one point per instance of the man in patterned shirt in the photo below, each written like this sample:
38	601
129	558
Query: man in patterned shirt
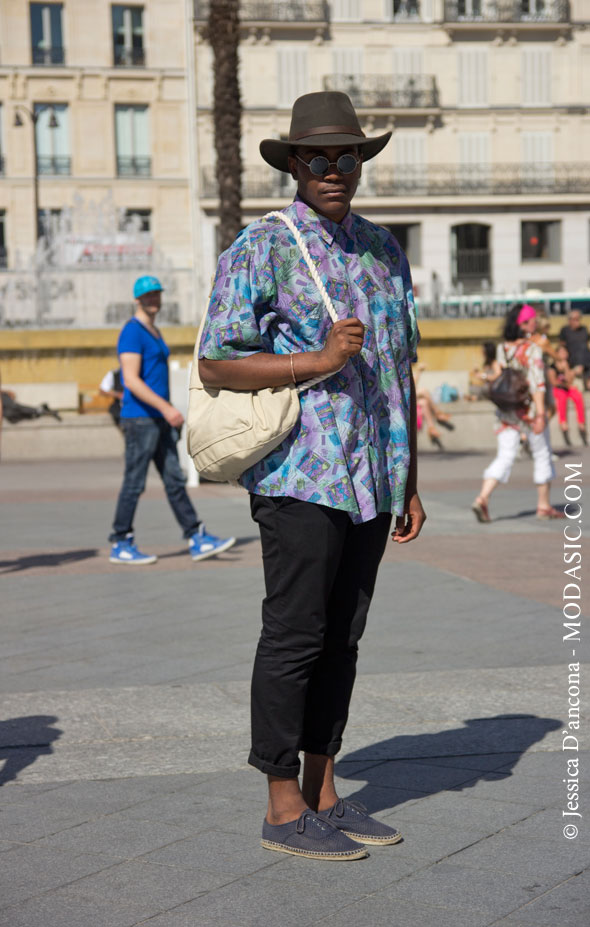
325	497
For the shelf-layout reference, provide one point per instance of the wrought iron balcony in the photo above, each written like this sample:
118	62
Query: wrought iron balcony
54	165
406	10
429	180
134	167
507	11
128	57
273	11
373	91
476	180
257	183
3	257
49	56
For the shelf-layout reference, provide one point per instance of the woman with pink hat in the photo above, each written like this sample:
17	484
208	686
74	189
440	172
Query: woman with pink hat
519	352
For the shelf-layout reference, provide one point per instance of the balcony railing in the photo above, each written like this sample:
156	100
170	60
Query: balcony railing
54	164
49	56
134	167
371	91
269	11
129	57
431	180
3	257
507	11
472	262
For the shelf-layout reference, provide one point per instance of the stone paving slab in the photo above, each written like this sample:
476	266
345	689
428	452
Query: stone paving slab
124	732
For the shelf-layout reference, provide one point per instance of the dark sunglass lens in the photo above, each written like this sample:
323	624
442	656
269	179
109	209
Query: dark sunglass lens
346	163
319	165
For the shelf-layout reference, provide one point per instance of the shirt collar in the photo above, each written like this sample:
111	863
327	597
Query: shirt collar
324	227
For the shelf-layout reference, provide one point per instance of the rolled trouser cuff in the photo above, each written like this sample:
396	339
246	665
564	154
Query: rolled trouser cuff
283	772
322	749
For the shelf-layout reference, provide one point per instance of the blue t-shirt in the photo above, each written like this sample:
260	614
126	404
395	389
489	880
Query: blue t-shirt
136	339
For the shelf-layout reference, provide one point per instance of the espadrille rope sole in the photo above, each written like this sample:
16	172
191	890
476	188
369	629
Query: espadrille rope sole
283	848
375	841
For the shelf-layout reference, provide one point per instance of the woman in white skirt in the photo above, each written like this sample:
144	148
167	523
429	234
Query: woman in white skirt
520	353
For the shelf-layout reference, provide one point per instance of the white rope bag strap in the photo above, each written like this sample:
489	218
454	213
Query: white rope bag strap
316	279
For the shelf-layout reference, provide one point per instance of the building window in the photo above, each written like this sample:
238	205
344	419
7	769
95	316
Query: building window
473	77
128	50
292	69
536	76
470	256
53	138
46	33
49	223
409	236
406	9
541	241
346	10
137	220
132	141
3	252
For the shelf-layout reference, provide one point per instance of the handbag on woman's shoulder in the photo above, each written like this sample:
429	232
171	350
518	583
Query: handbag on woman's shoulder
230	430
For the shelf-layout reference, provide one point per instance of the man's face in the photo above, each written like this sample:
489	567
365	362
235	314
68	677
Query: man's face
329	195
575	319
151	302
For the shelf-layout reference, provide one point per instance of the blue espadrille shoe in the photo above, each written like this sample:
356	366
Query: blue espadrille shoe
353	819
310	836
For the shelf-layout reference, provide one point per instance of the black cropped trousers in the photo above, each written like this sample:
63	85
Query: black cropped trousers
320	571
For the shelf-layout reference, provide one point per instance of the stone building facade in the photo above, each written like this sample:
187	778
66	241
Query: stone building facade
106	84
486	181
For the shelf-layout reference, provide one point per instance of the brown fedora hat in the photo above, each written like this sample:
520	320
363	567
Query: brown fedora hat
318	120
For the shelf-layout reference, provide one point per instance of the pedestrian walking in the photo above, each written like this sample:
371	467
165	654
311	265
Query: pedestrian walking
521	353
151	426
325	497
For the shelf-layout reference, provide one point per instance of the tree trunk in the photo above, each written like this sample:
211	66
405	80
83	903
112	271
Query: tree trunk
224	35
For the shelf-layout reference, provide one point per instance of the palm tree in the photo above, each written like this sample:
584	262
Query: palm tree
224	35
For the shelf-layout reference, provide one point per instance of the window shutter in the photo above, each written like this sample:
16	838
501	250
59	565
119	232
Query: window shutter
348	62
536	76
474	159
473	77
537	147
407	61
292	68
346	10
409	151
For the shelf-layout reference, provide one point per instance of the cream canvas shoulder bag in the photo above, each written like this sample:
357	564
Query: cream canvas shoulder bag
231	430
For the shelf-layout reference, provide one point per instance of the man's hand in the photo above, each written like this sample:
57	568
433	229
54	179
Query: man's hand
344	340
174	418
409	525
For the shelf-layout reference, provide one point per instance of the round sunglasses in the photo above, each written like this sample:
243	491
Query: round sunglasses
320	165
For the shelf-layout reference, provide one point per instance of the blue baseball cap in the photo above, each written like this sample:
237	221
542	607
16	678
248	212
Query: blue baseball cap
146	285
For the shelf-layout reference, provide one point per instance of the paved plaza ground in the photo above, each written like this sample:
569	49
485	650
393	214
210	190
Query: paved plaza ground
126	798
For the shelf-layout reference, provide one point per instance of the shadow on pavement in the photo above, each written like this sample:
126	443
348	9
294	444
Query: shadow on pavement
502	735
23	740
54	559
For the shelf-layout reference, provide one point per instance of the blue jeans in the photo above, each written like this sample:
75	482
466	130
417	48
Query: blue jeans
149	439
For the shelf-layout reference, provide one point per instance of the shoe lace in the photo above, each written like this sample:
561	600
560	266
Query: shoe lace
313	818
343	803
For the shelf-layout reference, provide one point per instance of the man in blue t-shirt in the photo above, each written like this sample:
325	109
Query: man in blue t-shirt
151	426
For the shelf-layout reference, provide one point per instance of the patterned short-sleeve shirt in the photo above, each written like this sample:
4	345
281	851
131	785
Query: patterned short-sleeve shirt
350	449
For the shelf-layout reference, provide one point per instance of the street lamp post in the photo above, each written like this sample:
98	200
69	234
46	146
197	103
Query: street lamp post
53	124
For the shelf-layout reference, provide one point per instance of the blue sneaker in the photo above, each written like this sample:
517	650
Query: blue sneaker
126	552
202	545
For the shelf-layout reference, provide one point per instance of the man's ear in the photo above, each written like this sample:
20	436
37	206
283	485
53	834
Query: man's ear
292	162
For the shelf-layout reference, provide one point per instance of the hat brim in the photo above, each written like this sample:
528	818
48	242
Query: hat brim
276	152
